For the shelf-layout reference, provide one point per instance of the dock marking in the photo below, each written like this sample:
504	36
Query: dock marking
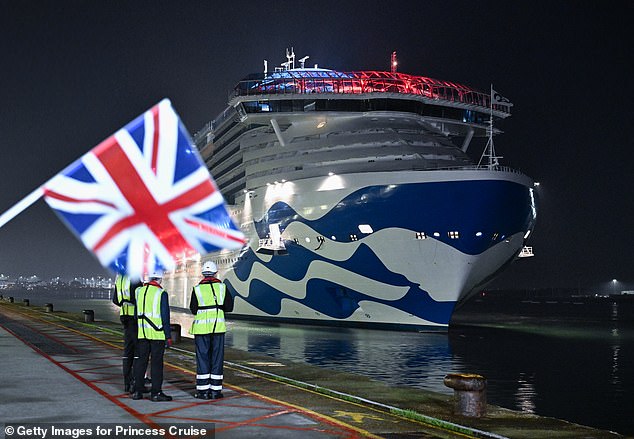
357	417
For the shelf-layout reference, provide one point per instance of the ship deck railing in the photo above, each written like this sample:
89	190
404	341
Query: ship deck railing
366	82
498	168
287	173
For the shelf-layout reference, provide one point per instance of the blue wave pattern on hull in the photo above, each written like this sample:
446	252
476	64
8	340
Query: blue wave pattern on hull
487	206
332	299
490	206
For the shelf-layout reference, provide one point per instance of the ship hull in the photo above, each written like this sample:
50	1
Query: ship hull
429	240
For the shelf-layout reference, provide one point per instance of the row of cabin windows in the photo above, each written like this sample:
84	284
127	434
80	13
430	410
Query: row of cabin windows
453	234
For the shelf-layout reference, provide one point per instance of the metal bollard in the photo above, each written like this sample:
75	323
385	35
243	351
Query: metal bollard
470	397
176	333
26	302
89	315
49	307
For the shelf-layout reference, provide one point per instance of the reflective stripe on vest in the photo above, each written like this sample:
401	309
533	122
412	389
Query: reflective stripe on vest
210	318
122	287
150	324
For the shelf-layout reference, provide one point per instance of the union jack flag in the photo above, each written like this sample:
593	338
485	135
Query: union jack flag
143	198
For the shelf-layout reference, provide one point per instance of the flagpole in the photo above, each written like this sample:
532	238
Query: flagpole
21	205
31	198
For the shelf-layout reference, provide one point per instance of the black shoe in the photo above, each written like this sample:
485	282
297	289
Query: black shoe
137	395
160	397
202	395
215	394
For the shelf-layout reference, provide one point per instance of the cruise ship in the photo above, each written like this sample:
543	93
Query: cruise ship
360	203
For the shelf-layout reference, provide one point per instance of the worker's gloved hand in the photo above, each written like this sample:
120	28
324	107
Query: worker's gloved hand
168	343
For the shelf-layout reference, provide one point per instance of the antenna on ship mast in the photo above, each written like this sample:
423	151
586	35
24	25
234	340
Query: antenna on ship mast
290	57
489	149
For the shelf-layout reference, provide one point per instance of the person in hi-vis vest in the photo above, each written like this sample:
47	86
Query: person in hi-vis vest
209	302
154	334
123	297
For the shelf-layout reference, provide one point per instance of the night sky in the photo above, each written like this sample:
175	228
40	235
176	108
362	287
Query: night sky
74	72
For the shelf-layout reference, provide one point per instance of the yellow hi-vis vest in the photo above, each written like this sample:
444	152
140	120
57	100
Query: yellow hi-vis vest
148	302
210	318
122	287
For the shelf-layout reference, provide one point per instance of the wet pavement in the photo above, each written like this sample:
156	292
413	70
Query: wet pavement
56	368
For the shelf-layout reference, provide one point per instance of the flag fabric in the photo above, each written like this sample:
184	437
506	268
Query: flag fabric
498	99
143	198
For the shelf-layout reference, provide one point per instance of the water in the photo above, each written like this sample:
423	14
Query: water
563	359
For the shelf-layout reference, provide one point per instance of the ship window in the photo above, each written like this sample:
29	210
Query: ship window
436	234
333	237
421	235
478	234
454	234
365	228
255	106
340	105
283	106
307	239
353	237
469	116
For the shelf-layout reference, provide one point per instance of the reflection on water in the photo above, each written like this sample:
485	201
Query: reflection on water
383	355
568	361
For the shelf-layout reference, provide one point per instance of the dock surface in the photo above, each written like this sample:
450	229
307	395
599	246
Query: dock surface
58	369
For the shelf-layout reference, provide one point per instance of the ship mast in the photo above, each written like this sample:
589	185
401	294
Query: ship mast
489	149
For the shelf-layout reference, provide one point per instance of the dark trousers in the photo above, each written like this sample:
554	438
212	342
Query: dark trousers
210	355
129	343
146	349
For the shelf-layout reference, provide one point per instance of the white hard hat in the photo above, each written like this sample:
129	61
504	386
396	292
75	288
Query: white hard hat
156	274
209	267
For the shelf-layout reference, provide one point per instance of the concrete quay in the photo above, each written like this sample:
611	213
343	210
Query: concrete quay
58	368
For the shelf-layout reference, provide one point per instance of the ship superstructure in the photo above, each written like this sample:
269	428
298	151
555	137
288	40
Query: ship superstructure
358	196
